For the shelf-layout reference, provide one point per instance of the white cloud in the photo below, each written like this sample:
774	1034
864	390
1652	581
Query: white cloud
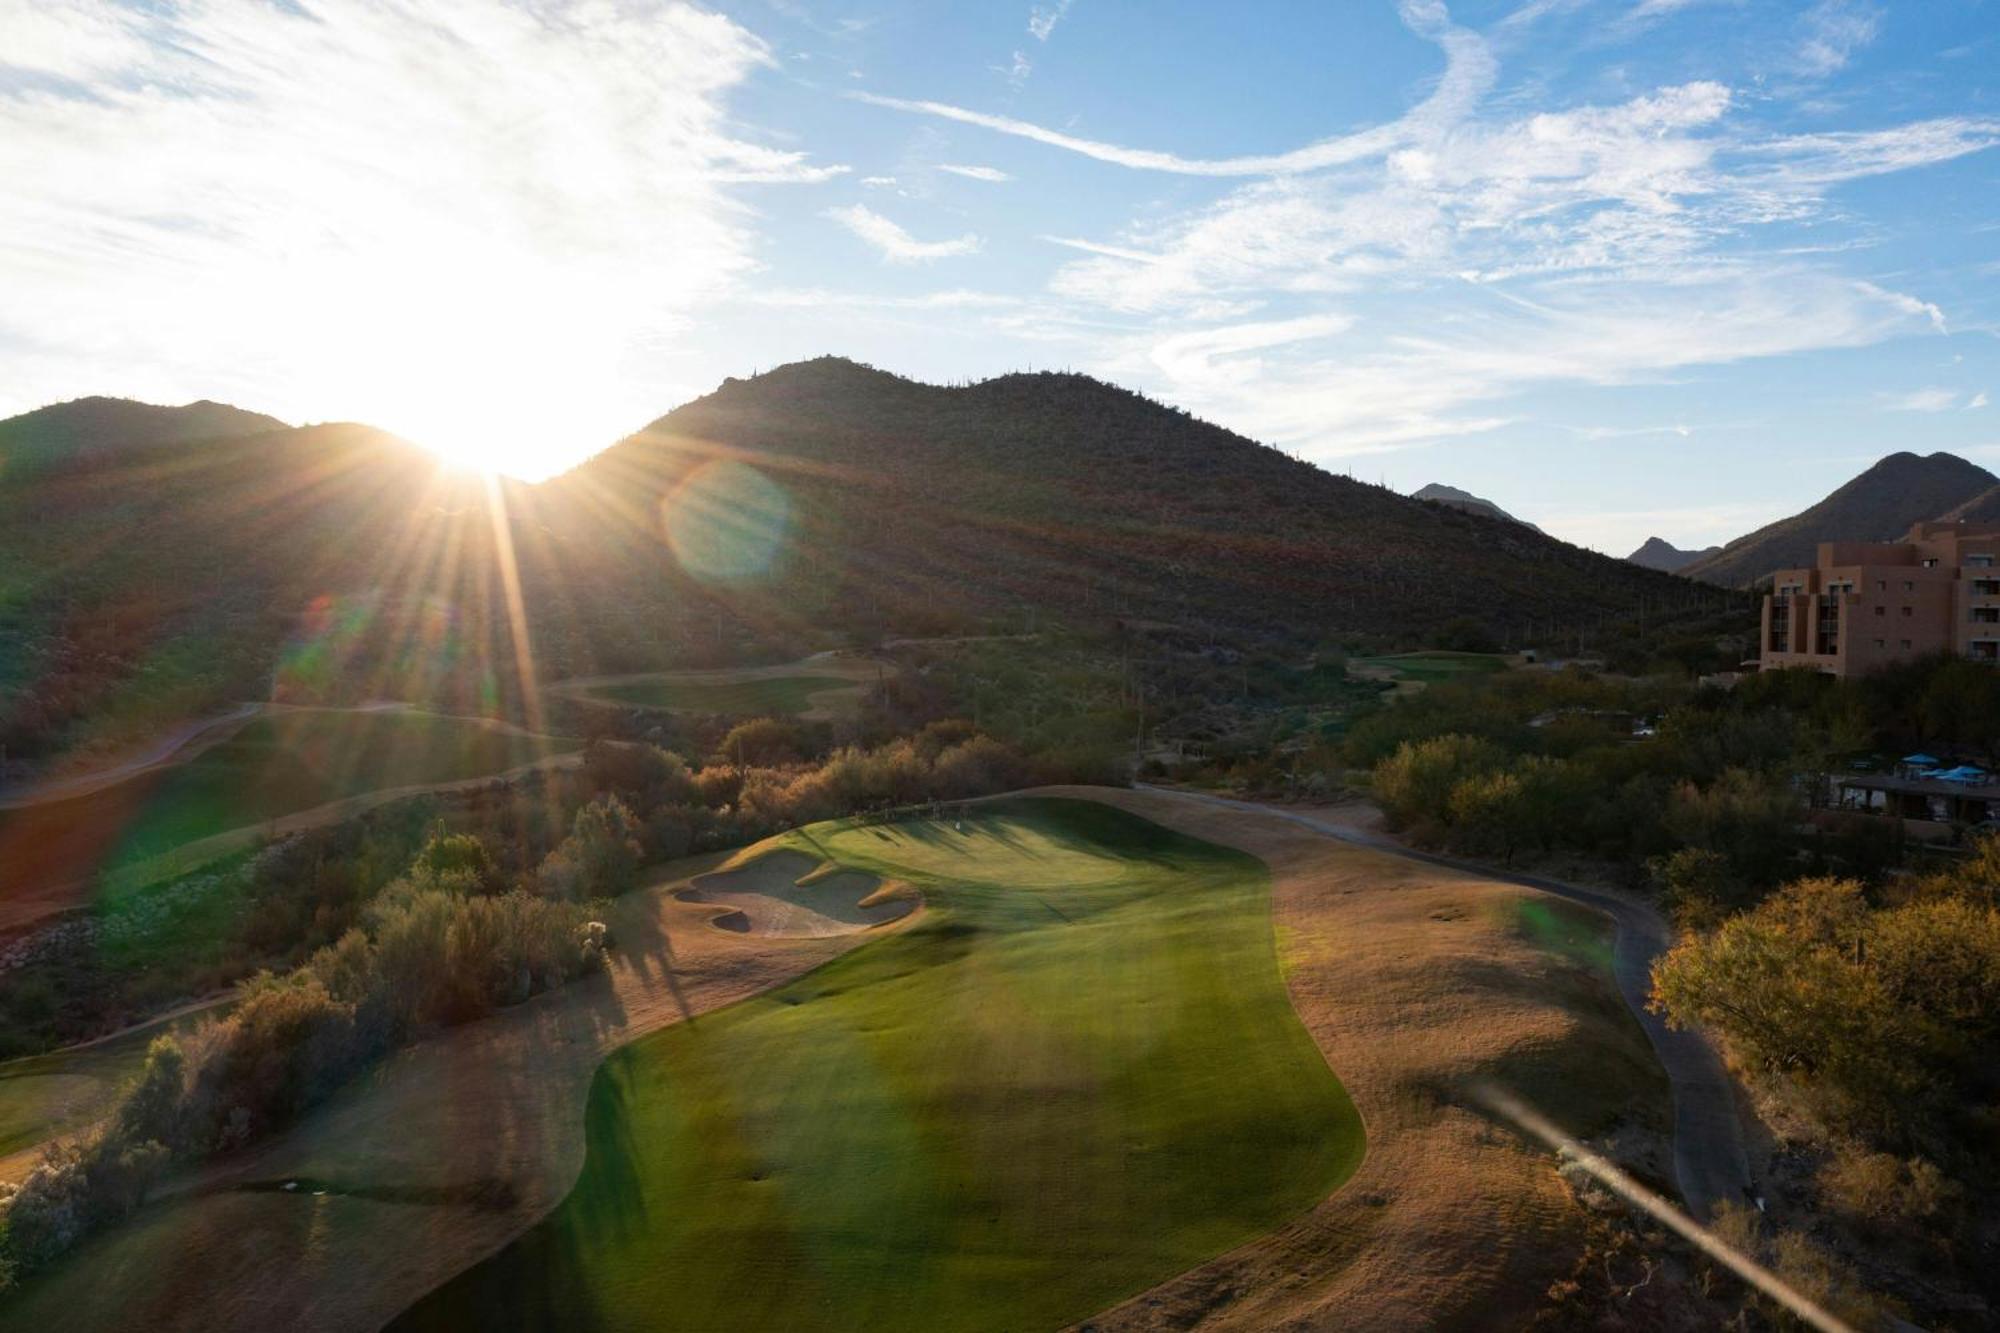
898	246
1977	401
1834	31
1921	400
1469	72
1042	19
992	174
878	182
454	219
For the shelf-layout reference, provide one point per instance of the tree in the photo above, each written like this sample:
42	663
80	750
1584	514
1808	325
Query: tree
1414	785
600	858
151	1110
762	742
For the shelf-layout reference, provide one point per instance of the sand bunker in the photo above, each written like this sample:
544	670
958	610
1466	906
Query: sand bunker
790	894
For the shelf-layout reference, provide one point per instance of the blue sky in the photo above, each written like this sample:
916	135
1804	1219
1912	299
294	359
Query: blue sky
1626	267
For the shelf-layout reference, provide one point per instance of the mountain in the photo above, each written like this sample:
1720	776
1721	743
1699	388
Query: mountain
822	499
1663	555
1982	509
1879	505
148	584
88	428
920	503
1439	493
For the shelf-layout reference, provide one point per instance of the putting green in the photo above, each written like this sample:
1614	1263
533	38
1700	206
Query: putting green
1078	1075
770	696
1437	665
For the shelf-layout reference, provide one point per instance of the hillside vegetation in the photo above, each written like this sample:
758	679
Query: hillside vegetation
820	503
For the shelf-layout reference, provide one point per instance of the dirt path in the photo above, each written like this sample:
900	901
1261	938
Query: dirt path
426	1165
827	704
170	748
1710	1164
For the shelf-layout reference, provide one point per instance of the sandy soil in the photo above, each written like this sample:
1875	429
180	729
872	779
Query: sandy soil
422	1168
1415	989
779	895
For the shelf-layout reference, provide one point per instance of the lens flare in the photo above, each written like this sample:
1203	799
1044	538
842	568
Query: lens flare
727	522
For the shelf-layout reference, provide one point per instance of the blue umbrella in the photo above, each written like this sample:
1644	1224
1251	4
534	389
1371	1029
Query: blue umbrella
1921	760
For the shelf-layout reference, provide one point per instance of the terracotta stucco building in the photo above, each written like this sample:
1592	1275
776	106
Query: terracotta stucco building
1867	604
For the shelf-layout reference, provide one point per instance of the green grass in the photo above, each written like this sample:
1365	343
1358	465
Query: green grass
274	766
46	1095
1570	930
1438	665
1077	1076
774	696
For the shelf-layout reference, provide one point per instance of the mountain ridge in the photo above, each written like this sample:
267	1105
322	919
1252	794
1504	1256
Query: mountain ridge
1879	504
1658	553
1437	492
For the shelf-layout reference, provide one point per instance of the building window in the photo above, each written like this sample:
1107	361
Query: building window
1981	561
1909	586
1930	562
1906	643
1881	610
1881	585
1909	610
1881	643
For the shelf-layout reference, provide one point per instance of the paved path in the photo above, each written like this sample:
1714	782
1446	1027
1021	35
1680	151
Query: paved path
1709	1161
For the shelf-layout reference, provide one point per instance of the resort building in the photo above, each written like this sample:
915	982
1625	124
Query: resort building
1867	604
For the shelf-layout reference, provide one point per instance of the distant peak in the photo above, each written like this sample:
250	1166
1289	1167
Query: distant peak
1439	493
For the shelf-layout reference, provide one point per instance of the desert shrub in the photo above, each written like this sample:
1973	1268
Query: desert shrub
1415	784
152	1108
1745	817
668	833
717	785
77	1188
287	1044
1883	1189
1888	1016
937	737
763	742
976	767
645	774
459	858
599	859
1695	883
1465	635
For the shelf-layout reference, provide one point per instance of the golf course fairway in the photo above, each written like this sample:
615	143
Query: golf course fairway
1077	1075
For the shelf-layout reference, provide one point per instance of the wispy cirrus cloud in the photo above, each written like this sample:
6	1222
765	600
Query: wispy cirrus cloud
992	175
895	244
294	207
1042	19
1833	31
1932	399
1460	254
1469	72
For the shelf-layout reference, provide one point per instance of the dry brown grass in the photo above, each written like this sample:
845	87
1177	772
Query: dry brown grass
1415	985
430	1163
